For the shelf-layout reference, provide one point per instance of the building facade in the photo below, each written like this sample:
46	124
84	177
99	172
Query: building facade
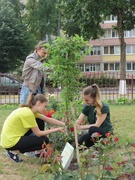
105	52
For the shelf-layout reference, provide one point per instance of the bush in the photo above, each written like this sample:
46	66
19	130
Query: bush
102	81
122	100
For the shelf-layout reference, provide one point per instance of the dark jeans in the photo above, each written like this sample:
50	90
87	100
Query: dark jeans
29	143
86	138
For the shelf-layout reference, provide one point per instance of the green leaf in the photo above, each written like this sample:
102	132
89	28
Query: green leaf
45	167
91	177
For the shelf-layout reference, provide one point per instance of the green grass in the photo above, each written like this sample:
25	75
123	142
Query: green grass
123	119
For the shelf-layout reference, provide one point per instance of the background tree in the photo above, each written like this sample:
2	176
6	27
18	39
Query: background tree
86	18
15	42
42	18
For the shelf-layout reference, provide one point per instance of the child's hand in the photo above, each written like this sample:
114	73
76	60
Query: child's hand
78	126
61	130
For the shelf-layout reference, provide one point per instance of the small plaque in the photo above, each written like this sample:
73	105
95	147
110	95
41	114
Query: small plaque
67	155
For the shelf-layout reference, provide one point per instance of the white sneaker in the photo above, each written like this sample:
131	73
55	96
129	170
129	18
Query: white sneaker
32	153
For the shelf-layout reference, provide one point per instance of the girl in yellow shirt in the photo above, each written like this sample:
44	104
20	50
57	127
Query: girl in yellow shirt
21	122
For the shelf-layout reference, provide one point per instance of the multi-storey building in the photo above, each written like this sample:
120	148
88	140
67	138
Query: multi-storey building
105	52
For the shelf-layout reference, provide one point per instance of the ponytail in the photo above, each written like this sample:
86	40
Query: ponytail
33	98
94	92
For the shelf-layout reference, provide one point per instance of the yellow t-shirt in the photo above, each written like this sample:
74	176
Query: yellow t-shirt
16	125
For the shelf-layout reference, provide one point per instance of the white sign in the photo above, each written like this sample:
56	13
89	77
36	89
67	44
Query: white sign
67	155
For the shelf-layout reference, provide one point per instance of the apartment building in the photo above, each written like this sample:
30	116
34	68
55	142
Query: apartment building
105	52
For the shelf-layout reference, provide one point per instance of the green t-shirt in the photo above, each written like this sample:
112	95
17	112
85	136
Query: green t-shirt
89	111
16	125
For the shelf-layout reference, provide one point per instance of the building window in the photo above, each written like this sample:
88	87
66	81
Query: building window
92	67
116	49
110	18
112	66
129	66
106	50
105	66
87	67
81	66
128	49
133	65
97	67
130	33
114	33
111	33
111	49
133	49
95	50
117	66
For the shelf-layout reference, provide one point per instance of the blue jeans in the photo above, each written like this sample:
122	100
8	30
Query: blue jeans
25	91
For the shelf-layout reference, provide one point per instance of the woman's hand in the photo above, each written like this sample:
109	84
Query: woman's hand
61	130
78	126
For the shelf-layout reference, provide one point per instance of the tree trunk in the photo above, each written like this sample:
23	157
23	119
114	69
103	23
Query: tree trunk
122	87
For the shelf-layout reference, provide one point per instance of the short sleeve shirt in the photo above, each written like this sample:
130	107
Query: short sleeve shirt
16	125
89	111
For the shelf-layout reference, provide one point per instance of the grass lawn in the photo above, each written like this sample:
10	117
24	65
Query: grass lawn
123	119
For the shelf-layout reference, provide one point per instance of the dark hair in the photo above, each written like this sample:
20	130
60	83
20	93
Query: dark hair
94	92
33	98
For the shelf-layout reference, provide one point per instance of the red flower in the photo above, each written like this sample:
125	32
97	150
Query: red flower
106	141
108	168
49	115
133	145
93	156
121	163
116	139
108	134
96	134
71	129
134	153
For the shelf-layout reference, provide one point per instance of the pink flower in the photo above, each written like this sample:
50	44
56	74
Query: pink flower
116	139
108	168
106	141
96	134
108	134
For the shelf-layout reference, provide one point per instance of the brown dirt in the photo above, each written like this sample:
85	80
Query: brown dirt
127	177
73	165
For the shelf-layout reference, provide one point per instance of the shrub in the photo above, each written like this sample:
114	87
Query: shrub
122	100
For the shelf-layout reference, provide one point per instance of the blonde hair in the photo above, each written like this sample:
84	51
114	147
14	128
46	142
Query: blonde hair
94	92
41	44
33	98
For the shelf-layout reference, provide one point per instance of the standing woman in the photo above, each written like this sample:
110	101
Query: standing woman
22	122
97	113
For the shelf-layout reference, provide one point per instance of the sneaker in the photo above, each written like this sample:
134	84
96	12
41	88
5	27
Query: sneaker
14	157
32	153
